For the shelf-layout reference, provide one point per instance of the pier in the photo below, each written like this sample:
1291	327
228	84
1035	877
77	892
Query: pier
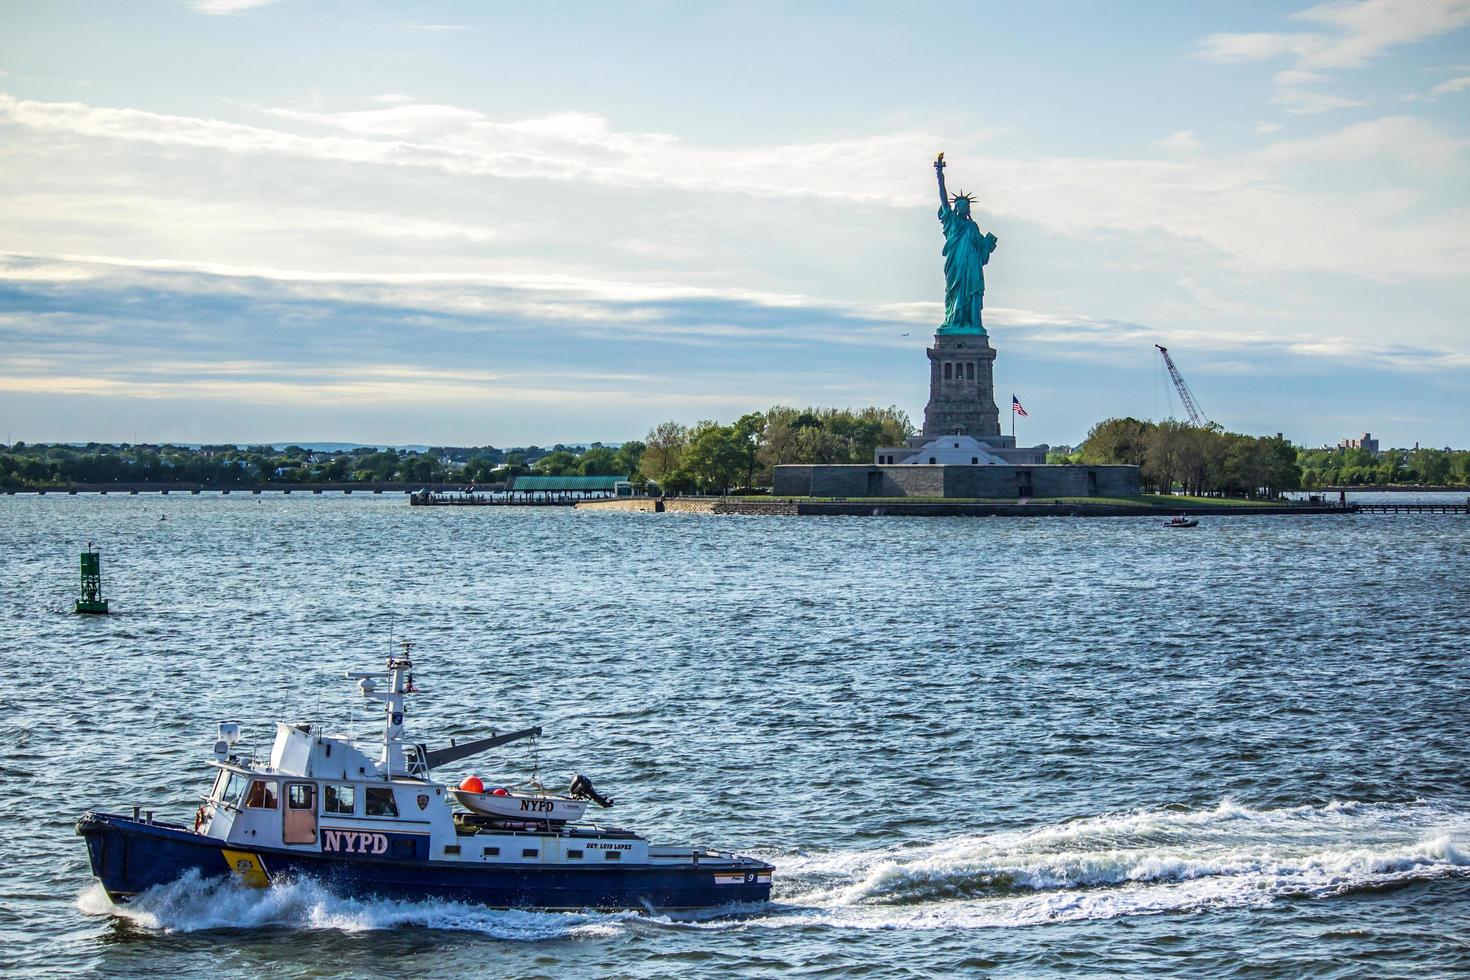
194	489
1445	508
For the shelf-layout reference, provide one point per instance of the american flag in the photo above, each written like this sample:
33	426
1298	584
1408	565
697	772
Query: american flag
1016	406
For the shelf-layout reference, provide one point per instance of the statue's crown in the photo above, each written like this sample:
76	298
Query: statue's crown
962	194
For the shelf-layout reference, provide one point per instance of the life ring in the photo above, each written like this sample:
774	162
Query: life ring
198	819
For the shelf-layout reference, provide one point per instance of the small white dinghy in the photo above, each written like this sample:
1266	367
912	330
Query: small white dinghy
510	805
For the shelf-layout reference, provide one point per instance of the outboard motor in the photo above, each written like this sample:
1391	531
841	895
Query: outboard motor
581	789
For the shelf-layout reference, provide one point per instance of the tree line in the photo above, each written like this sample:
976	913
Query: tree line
1360	468
25	465
713	458
1200	460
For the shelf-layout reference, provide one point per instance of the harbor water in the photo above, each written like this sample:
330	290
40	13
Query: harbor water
1010	747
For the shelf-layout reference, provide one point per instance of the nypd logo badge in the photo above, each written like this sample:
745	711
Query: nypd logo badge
423	801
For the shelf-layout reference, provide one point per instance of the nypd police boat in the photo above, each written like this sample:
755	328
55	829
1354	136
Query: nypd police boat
366	818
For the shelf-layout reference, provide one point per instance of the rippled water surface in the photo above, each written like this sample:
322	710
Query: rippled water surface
993	746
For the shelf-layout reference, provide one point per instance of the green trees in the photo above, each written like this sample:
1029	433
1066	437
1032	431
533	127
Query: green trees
1199	460
1358	467
599	461
559	463
629	458
662	451
714	458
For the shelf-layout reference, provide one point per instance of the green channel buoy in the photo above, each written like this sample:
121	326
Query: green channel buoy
91	600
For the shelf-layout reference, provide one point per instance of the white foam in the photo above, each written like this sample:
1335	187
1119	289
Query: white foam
1142	862
191	904
1139	862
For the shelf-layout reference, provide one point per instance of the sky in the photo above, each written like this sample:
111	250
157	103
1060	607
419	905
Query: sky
513	224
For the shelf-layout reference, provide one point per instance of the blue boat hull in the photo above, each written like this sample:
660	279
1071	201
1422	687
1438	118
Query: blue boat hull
129	856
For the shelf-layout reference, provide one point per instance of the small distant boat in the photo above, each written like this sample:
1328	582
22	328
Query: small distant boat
1181	521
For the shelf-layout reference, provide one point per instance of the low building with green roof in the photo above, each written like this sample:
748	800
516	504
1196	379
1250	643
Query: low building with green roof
599	486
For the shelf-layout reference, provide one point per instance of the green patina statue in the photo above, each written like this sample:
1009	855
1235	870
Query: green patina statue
966	251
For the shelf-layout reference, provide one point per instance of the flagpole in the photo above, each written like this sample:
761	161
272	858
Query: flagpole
1013	420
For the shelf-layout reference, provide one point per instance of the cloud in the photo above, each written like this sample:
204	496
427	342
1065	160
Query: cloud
1357	32
89	350
1243	206
235	318
1411	141
1306	101
1453	85
1267	128
1361	30
219	7
1182	140
1295	90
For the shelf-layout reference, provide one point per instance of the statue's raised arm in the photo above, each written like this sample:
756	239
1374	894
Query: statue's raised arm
939	172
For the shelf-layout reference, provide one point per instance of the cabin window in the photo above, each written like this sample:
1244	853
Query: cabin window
234	788
380	803
451	848
298	796
491	852
612	856
530	852
262	795
974	460
574	855
339	799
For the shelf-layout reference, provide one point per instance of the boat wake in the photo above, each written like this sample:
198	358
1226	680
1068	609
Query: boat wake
1143	862
192	904
1136	863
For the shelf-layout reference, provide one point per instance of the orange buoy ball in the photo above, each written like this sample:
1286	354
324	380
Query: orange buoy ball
499	791
472	784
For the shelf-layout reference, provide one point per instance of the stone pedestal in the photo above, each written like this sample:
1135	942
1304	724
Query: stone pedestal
962	388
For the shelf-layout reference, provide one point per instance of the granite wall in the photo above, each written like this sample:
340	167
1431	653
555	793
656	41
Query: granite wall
990	482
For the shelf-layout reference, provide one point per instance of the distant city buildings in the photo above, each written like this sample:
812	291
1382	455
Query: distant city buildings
1366	441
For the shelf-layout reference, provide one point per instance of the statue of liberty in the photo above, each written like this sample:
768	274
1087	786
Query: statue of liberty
966	251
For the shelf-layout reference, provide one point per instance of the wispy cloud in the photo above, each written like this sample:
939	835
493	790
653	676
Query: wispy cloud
1358	31
1182	140
392	313
1238	204
1297	91
210	357
1352	34
1453	85
220	7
